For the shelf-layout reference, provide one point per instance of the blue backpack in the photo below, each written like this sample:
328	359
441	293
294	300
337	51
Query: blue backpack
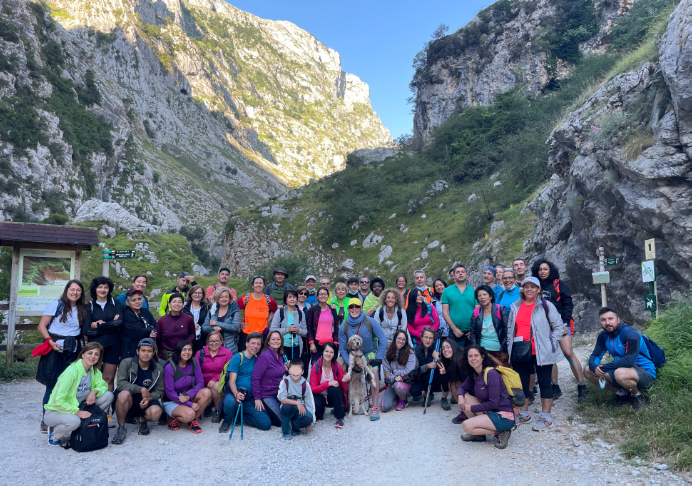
654	352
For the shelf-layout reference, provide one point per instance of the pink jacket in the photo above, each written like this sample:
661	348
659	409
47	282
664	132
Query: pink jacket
419	323
212	367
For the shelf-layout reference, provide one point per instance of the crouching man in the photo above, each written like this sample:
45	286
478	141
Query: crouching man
140	387
631	370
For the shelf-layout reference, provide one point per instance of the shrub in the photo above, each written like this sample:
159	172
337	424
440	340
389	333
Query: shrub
297	267
55	219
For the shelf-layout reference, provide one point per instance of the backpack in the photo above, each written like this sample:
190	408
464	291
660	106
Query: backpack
512	382
58	311
304	387
177	374
246	299
92	433
556	286
282	314
398	316
477	311
223	378
368	325
654	351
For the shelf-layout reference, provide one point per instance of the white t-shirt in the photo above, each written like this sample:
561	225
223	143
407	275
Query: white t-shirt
102	304
71	327
195	313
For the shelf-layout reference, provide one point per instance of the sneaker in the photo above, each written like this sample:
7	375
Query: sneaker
400	406
44	427
111	423
215	417
459	418
374	414
521	419
288	436
622	400
535	389
453	400
503	439
52	442
542	424
163	419
418	399
119	436
638	402
224	427
174	424
473	438
581	392
339	423
444	403
208	411
142	426
557	393
194	427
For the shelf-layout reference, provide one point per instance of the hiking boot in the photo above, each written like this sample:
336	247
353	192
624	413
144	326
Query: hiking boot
111	422
208	411
133	421
557	393
453	400
622	400
521	419
174	425
288	437
581	392
503	439
401	405
295	432
535	389
163	419
224	427
142	426
429	399
418	398
444	403
215	417
542	424
638	402
473	438
374	414
459	418
339	423
51	441
119	436
44	427
194	427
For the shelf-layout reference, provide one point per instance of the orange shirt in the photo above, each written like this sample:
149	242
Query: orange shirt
523	323
256	312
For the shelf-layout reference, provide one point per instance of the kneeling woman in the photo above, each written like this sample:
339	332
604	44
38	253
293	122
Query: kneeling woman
186	398
490	410
399	361
427	360
80	382
328	387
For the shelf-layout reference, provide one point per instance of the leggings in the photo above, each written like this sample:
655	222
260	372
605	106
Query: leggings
335	399
65	423
398	391
542	377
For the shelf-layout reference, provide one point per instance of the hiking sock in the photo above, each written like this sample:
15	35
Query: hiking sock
524	413
622	393
581	383
546	416
639	393
554	383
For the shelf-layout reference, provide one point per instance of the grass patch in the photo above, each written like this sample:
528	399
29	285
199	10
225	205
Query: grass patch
662	431
637	143
20	369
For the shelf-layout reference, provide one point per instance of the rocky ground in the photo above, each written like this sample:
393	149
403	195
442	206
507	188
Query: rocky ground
402	447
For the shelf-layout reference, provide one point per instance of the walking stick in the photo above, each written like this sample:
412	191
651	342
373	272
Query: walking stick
238	410
241	420
293	338
432	373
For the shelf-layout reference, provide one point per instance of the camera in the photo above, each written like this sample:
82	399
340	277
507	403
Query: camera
242	390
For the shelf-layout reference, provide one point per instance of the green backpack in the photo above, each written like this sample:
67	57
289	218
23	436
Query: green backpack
223	379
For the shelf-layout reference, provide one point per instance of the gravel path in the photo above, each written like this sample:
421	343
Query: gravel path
397	448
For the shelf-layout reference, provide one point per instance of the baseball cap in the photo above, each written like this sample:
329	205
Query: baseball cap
533	280
310	277
134	291
184	274
147	342
355	301
222	269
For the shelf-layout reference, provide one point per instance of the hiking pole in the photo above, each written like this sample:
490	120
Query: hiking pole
238	410
432	373
241	420
293	339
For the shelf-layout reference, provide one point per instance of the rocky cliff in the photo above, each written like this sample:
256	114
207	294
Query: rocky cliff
623	174
527	43
179	111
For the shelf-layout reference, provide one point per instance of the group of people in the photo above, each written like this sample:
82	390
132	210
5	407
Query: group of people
285	359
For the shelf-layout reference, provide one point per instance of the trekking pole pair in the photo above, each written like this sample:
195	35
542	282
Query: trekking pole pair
432	373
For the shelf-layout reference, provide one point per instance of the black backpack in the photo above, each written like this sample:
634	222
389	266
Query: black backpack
398	316
282	314
92	433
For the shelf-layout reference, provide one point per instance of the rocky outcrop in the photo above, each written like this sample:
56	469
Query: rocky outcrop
379	154
623	174
115	214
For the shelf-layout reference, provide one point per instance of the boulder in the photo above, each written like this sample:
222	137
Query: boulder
115	214
372	240
385	253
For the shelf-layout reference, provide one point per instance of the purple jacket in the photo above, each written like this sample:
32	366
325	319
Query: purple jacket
493	396
184	384
269	369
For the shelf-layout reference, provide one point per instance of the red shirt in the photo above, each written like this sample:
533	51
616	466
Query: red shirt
523	323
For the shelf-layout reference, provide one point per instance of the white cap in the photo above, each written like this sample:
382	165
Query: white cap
310	277
533	280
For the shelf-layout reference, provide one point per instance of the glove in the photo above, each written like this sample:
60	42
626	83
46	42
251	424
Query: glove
374	363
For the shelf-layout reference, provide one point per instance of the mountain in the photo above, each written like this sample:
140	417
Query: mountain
180	111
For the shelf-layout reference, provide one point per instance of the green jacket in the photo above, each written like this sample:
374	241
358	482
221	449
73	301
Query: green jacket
163	308
64	396
127	374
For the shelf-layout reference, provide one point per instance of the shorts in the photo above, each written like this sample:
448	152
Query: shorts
370	356
168	407
135	410
111	354
568	329
644	378
501	424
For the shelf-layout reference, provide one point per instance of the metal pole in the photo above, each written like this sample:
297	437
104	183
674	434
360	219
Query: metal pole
652	291
106	266
656	294
601	268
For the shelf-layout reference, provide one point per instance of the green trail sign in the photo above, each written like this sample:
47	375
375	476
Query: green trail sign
650	302
609	262
119	254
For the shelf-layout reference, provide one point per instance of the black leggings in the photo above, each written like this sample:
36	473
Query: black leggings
335	398
543	373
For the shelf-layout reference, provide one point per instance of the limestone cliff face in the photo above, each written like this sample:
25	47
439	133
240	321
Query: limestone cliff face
504	46
623	174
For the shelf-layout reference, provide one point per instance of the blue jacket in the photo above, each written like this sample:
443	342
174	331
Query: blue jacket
346	331
507	297
312	298
496	290
632	352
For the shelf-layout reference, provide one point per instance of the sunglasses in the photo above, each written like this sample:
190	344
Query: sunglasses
365	281
302	293
353	307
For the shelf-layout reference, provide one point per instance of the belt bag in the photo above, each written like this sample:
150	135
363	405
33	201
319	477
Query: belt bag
522	351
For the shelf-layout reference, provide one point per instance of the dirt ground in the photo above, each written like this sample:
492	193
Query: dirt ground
403	447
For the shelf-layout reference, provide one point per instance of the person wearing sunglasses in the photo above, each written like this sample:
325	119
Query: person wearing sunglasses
302	303
364	283
212	358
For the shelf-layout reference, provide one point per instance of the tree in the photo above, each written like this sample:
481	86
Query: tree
421	57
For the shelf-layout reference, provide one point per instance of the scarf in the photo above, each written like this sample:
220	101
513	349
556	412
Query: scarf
355	322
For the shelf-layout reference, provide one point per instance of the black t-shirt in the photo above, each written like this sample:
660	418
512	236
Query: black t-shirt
143	377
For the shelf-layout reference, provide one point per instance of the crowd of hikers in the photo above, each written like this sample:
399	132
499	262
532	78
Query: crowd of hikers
278	355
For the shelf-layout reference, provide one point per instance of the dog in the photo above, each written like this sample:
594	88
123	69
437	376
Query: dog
357	365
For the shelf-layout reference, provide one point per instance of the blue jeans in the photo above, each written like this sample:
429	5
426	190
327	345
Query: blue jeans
250	414
290	417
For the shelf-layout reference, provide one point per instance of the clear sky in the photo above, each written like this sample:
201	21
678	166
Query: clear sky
376	39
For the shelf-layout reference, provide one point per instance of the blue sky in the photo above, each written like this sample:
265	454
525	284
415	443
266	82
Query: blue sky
376	39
